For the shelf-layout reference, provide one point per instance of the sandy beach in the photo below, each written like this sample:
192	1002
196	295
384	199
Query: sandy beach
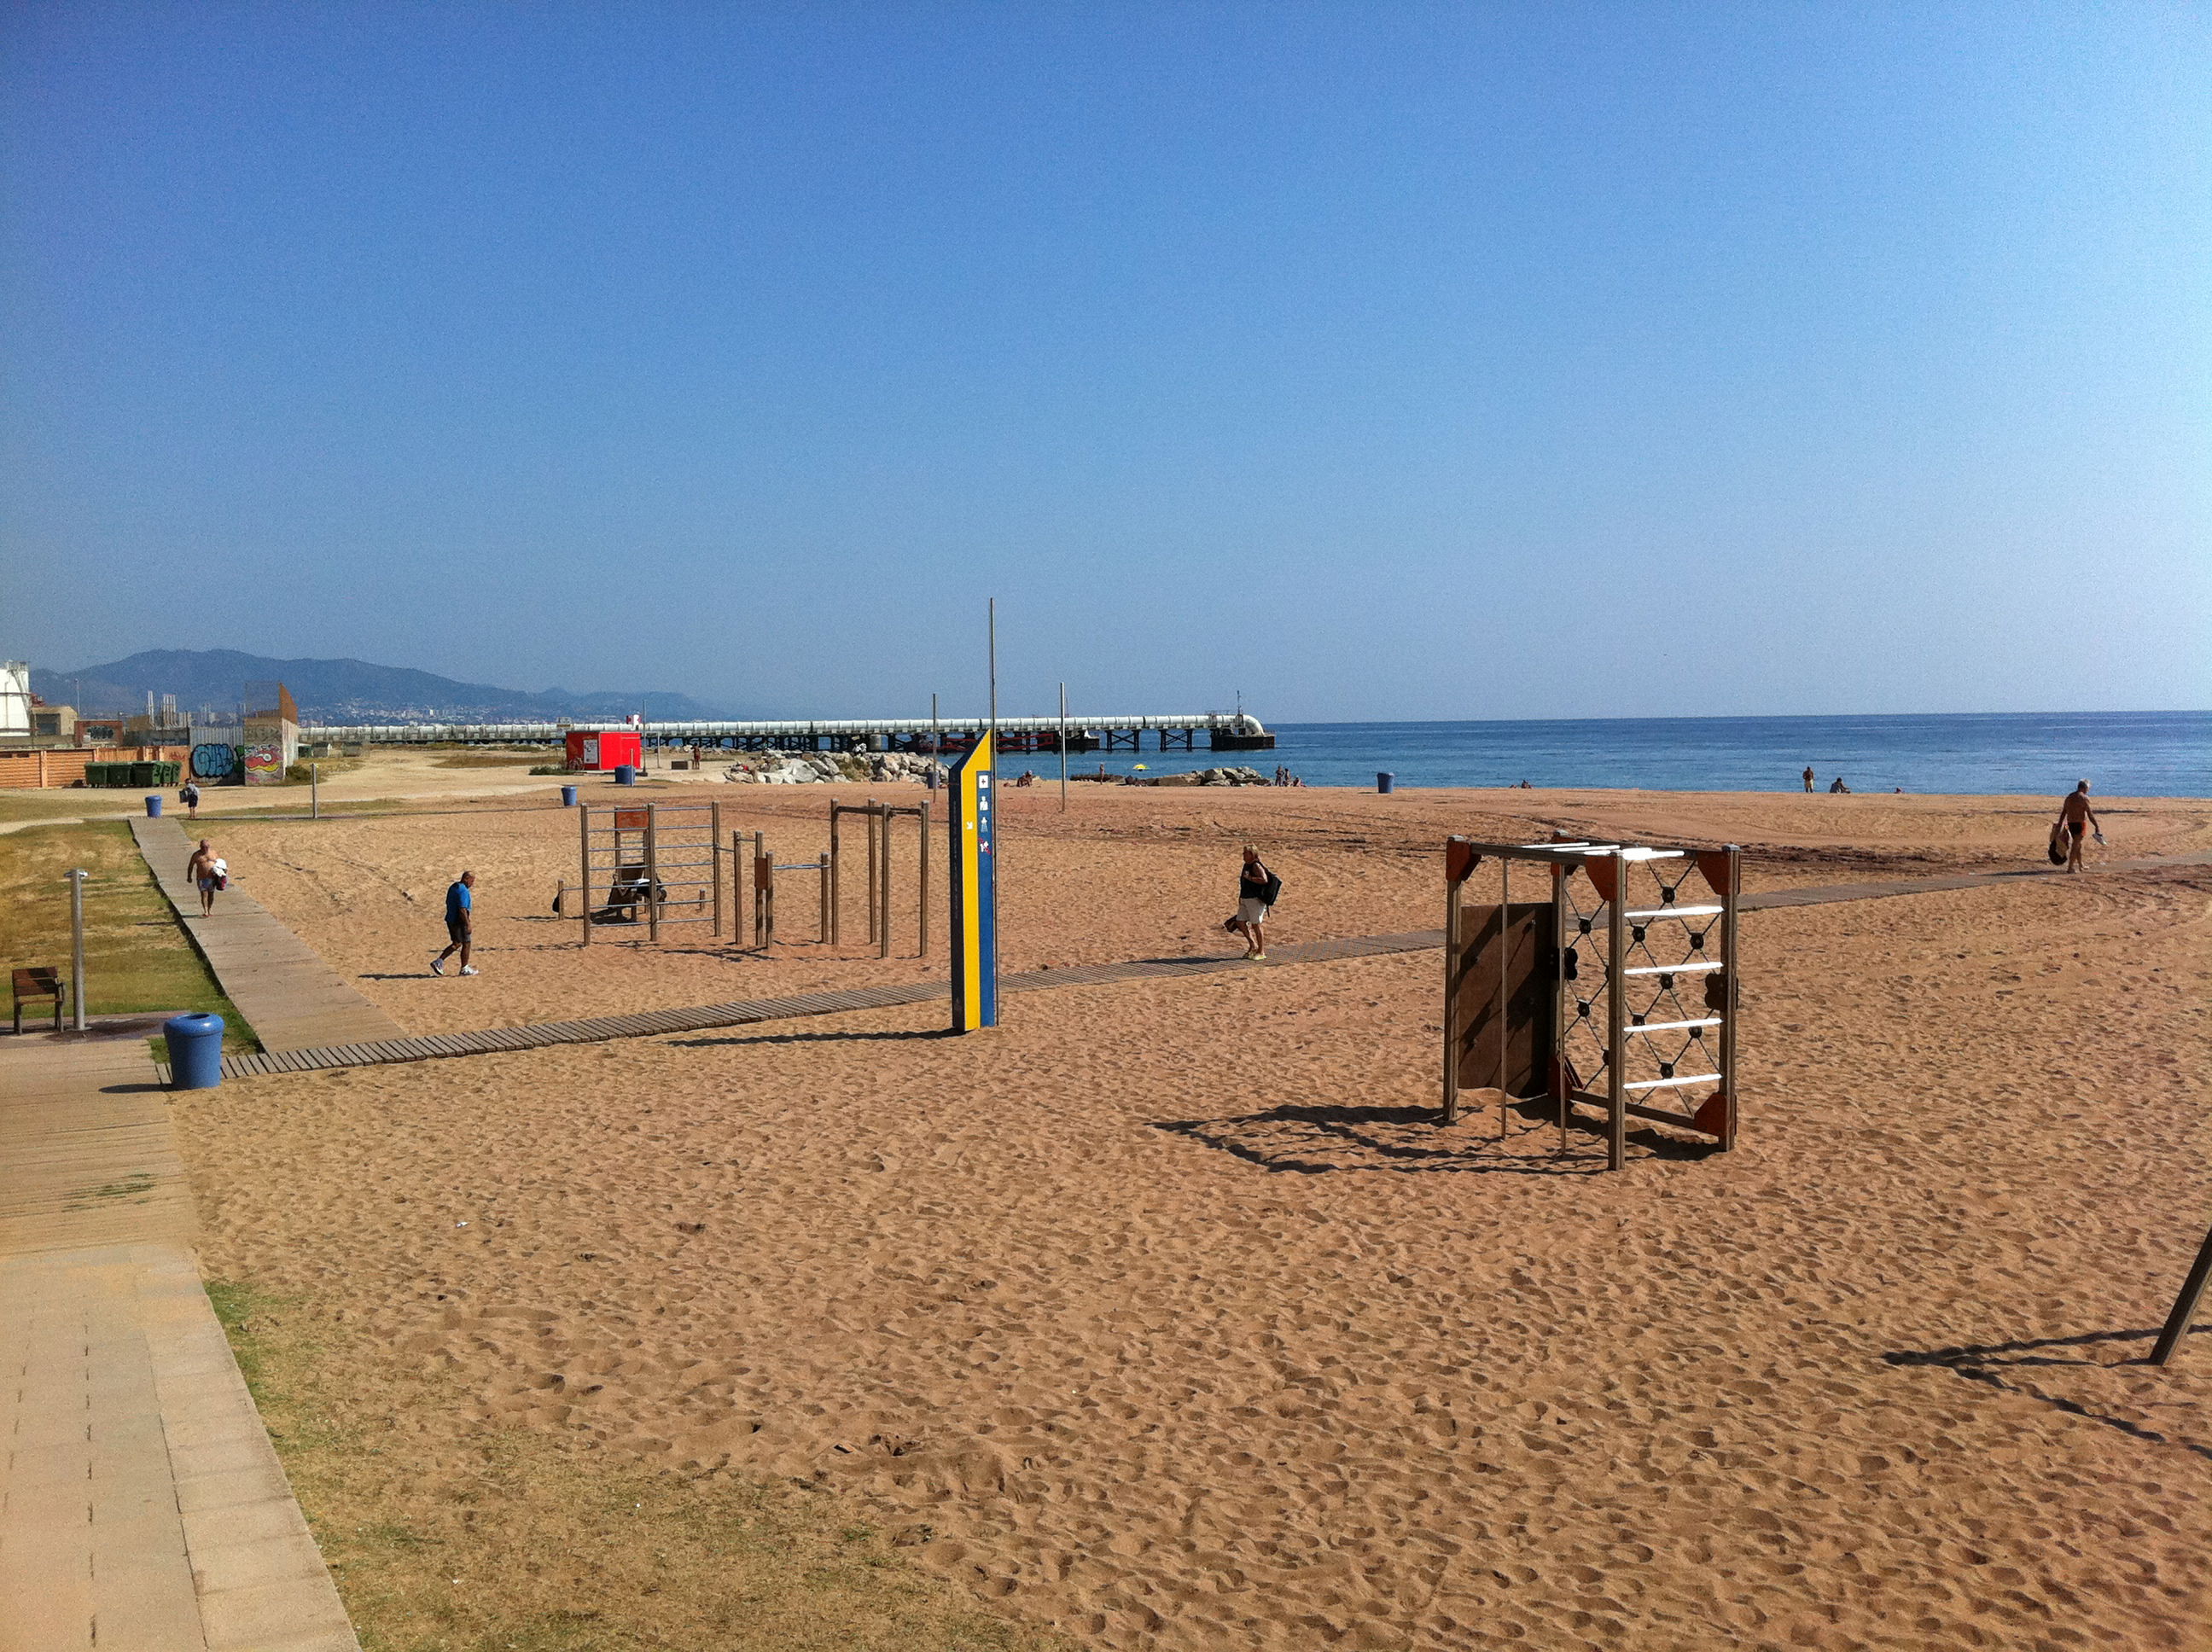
1166	1314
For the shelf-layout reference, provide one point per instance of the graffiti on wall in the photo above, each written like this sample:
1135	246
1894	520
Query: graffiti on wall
264	764
213	763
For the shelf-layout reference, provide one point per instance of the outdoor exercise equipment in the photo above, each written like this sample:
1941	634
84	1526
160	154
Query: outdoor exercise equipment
878	818
657	859
1616	988
765	867
975	890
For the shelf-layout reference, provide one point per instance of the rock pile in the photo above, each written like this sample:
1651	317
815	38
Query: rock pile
813	767
1205	777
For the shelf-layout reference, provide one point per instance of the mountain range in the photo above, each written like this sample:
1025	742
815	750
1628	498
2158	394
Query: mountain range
341	691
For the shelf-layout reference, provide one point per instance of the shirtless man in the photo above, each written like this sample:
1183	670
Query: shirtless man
201	869
1809	777
2079	819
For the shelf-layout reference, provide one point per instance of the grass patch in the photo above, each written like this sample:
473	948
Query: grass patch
136	957
445	1537
56	803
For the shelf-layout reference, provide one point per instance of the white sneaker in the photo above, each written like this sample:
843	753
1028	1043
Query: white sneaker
468	968
437	966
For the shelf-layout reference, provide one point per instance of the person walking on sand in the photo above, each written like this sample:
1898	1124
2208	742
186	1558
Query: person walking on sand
1257	890
2077	819
208	875
190	797
460	924
1809	777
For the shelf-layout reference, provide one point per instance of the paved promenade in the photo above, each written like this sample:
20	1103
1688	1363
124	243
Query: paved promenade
142	1506
289	995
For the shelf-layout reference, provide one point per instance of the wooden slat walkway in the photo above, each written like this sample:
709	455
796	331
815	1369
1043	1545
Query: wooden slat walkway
542	1035
289	995
141	1503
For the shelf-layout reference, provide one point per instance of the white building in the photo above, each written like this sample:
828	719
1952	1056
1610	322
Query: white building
14	700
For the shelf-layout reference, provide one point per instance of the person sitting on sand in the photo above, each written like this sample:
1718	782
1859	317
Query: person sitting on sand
2076	818
1256	891
206	873
1836	785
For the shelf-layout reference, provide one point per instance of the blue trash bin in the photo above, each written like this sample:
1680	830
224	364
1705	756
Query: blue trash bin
195	1050
625	775
1384	780
154	805
567	797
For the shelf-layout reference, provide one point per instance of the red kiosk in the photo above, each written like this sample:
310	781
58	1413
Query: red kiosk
605	748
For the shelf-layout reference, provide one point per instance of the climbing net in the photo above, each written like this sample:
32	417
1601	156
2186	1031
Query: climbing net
1642	1003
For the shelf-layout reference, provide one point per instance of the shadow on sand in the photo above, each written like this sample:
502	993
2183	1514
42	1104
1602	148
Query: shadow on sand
1318	1139
1990	1363
812	1038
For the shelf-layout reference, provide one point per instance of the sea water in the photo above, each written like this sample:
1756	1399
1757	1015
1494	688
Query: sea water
2124	754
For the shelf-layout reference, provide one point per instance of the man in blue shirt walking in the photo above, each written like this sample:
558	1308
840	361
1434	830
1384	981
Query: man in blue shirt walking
460	925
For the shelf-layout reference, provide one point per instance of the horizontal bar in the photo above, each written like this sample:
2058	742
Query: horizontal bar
1674	1083
1671	1026
1637	1110
1670	969
1676	912
1653	854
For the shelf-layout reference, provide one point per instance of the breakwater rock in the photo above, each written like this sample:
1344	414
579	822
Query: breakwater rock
815	768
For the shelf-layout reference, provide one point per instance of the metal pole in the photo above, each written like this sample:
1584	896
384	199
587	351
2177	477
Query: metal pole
836	862
314	791
2184	1305
77	948
715	860
1729	994
921	882
652	875
1616	1019
763	894
584	824
1452	942
822	924
1063	748
875	823
991	624
1558	1054
883	901
1504	916
936	743
740	872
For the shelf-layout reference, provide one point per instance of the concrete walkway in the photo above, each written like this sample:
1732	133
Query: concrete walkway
142	1506
289	995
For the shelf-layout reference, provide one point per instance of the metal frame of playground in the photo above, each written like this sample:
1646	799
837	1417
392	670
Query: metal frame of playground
652	865
1606	992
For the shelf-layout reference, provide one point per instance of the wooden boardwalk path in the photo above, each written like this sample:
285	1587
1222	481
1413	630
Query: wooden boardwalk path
542	1035
289	995
142	1506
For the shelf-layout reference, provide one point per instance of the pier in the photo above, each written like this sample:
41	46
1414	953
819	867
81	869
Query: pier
1224	731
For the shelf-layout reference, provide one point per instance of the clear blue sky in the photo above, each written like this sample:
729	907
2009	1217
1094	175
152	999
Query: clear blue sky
1378	361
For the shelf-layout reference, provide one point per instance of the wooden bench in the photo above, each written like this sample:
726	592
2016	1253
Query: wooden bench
36	983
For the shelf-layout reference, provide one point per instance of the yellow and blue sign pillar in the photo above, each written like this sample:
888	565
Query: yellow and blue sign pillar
975	891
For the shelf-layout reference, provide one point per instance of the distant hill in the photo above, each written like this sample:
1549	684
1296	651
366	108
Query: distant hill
341	691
